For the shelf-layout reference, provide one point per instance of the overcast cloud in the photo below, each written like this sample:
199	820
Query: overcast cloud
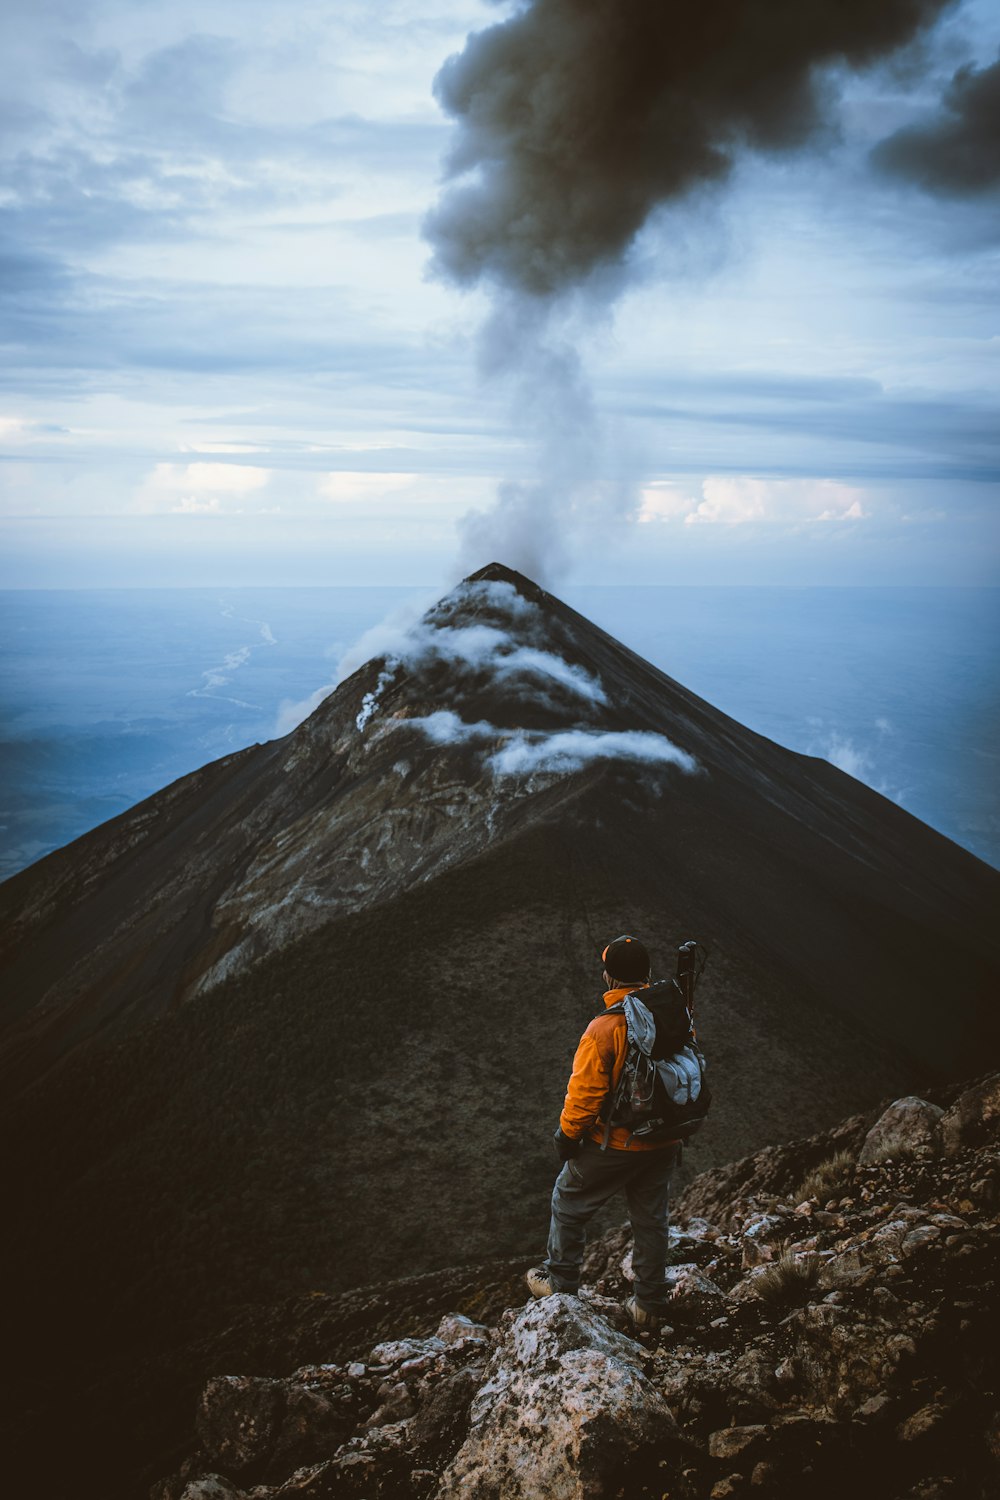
211	261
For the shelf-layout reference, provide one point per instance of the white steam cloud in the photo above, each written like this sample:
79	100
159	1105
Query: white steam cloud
413	638
446	728
570	750
524	753
857	760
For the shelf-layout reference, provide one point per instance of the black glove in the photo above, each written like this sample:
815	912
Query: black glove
566	1147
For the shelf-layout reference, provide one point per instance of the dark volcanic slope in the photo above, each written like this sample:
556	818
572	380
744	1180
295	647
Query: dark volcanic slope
303	1020
846	895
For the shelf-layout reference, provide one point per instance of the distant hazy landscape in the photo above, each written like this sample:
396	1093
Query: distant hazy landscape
107	696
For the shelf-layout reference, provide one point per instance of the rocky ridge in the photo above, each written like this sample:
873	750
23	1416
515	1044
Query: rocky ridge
833	1328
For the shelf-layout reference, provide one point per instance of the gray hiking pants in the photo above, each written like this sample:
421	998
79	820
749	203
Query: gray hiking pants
586	1183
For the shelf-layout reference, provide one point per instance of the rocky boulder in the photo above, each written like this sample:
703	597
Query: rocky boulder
907	1127
974	1118
566	1411
239	1419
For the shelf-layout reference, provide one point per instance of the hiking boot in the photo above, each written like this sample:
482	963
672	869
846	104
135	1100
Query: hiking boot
539	1282
641	1316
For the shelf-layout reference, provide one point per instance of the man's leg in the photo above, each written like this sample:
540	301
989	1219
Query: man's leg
648	1196
585	1183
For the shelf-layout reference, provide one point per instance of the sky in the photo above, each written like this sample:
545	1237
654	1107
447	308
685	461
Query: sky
282	302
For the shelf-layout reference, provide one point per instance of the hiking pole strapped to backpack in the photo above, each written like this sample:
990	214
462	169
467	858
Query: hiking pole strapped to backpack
691	960
662	1094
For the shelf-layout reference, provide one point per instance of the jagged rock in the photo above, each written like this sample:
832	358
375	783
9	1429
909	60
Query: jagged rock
454	1327
725	1489
974	1117
443	1419
565	1411
874	1408
683	1282
700	1229
313	1427
928	1419
745	1289
730	1442
753	1384
840	1358
915	1239
906	1126
759	1234
334	1479
239	1420
396	1406
211	1487
398	1351
687	1283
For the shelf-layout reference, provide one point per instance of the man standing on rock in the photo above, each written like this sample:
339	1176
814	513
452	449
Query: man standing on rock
591	1175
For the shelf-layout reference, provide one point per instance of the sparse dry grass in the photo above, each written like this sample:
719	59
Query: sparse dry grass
894	1146
829	1179
788	1282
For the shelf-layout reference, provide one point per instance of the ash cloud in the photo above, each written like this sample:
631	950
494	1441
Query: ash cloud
577	121
957	153
580	119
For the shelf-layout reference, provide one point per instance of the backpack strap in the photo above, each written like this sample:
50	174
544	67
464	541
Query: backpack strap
610	1010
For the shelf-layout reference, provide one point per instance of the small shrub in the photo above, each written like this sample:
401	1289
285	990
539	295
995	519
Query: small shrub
829	1179
788	1281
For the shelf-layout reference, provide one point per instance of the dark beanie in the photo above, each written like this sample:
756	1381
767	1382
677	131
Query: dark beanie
626	958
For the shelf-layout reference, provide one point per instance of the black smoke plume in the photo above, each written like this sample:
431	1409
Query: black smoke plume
958	152
577	120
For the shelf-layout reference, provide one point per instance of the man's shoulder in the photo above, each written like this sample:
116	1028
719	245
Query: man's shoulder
603	1026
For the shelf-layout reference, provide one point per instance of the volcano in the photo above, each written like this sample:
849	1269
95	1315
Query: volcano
303	1019
502	716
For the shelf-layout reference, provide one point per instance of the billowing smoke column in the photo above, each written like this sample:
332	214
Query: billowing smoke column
577	120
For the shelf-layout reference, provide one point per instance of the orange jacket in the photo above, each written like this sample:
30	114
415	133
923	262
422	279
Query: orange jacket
597	1067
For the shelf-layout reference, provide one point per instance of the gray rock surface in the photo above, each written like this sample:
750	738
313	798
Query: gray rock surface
564	1411
907	1126
211	1487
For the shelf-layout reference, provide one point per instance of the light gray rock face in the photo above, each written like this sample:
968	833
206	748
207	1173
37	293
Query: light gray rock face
907	1126
564	1411
400	1351
760	1234
211	1487
454	1327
